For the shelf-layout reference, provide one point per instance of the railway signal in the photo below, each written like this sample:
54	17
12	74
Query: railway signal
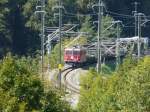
60	66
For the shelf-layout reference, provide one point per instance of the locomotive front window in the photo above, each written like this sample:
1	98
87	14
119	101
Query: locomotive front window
76	52
68	52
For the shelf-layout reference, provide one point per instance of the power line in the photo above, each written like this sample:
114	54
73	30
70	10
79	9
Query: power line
92	14
119	14
79	14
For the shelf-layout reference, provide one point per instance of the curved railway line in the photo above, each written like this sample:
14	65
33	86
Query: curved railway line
66	72
67	84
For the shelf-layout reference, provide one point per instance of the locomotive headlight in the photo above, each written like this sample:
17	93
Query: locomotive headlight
71	57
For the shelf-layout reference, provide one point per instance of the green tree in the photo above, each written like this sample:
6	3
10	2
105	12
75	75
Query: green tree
109	30
19	25
5	36
85	5
126	90
88	28
54	57
20	83
22	90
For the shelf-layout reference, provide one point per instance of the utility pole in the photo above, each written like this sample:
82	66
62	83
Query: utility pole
99	53
41	9
135	15
49	52
60	26
43	35
139	34
117	45
140	24
99	57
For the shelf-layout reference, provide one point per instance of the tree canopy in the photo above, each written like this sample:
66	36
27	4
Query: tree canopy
19	25
22	90
126	90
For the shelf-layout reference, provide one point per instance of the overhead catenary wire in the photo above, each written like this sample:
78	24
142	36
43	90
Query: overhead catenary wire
114	14
119	14
79	14
108	12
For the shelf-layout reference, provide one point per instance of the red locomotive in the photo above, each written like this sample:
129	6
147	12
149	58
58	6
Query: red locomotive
75	55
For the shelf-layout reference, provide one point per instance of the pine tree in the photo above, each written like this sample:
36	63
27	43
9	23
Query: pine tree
88	28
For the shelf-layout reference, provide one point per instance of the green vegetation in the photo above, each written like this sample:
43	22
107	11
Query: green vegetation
54	56
19	26
111	32
87	27
21	89
127	90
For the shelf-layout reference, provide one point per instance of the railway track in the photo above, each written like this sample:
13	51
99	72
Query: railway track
67	84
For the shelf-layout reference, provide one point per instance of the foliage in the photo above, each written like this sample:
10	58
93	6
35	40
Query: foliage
21	89
126	90
106	69
21	83
88	28
107	21
5	39
20	26
54	57
77	41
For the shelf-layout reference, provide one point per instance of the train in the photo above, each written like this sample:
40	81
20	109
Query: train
77	55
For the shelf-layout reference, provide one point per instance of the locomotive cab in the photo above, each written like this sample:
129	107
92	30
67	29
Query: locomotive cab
75	55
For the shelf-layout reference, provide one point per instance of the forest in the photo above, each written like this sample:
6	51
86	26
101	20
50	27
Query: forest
125	89
19	26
